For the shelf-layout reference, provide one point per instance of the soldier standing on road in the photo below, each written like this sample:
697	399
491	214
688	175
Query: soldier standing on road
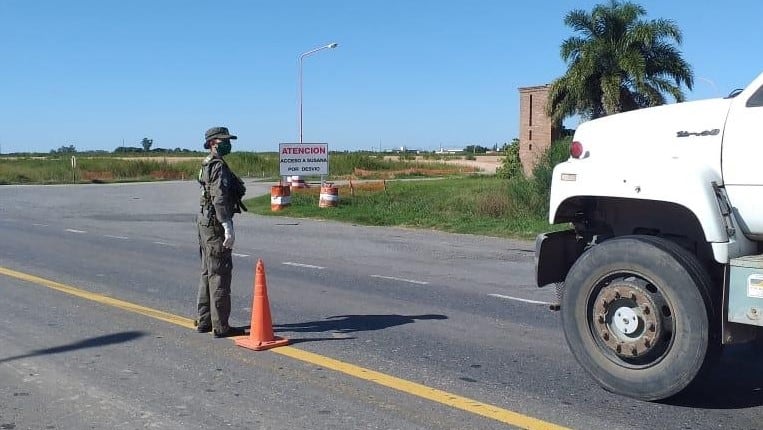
219	201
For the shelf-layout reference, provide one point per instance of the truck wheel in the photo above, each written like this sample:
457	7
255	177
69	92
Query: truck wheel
637	316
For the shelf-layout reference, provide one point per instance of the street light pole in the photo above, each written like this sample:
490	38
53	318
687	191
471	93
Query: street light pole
303	55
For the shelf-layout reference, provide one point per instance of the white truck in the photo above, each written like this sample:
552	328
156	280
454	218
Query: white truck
663	261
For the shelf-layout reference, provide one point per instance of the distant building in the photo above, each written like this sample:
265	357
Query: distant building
447	151
403	150
536	130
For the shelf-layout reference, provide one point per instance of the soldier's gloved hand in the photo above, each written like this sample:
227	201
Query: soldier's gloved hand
230	235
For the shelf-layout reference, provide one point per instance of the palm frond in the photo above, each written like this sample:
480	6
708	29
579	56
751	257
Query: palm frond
617	61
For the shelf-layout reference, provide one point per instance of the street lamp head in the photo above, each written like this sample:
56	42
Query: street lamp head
313	51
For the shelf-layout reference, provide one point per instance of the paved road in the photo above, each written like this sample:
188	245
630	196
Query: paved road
435	309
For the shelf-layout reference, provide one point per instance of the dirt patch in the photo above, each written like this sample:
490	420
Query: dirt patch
348	188
414	171
485	164
166	175
95	175
169	160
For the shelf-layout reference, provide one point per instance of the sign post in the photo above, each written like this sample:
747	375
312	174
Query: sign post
74	169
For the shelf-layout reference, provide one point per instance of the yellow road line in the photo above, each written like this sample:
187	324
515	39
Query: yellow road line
100	298
429	393
443	397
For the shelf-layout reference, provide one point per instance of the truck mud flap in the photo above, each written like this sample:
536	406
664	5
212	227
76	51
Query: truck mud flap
555	253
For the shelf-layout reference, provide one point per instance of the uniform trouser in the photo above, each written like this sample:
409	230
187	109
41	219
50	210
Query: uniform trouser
216	269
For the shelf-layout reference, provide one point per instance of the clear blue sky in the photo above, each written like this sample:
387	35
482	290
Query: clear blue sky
420	74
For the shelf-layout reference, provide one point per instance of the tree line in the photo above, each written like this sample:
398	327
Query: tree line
145	143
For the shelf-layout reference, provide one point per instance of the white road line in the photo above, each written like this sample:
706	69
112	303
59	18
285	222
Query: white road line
534	302
116	237
392	278
240	255
71	230
163	243
41	225
309	266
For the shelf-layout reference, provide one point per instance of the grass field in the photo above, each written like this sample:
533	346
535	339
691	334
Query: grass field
484	205
57	169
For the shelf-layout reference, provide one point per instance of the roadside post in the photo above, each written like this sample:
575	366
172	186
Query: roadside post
74	169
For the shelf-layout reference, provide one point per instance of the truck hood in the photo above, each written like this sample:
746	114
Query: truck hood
692	131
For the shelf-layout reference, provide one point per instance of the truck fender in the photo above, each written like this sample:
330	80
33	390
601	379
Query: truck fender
684	182
673	180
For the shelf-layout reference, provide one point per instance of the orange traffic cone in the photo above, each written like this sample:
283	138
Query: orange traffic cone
261	331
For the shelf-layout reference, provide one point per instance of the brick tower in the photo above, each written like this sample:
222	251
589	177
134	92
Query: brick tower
536	130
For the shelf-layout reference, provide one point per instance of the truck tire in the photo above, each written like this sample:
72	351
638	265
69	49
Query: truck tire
638	316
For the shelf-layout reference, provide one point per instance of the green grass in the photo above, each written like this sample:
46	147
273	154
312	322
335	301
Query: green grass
58	169
475	204
98	167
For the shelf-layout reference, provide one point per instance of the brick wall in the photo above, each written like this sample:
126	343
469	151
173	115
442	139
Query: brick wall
536	131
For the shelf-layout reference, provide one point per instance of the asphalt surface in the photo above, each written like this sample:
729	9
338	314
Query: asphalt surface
455	313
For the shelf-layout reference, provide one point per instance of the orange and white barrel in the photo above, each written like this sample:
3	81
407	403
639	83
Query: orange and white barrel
329	197
280	197
297	182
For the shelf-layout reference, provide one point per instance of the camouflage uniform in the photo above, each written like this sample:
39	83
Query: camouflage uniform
217	207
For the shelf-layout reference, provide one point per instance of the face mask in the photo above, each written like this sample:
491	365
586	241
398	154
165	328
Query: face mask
223	148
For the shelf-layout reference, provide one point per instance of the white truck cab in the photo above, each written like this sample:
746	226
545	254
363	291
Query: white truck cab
662	264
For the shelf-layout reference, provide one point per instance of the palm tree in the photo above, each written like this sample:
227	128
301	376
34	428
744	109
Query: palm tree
617	63
146	142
